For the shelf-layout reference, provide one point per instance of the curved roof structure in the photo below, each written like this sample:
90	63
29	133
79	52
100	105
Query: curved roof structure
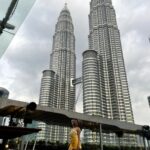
3	92
63	118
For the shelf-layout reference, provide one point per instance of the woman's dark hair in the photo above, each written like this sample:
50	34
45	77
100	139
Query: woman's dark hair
78	122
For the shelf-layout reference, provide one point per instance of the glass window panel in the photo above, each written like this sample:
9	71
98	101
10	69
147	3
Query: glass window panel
21	11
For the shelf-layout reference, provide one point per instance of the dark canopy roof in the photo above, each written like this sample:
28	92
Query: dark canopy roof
7	132
63	117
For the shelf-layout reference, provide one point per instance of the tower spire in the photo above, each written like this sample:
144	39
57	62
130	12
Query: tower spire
65	7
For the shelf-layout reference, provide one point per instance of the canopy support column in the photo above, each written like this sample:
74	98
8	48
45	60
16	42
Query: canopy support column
101	138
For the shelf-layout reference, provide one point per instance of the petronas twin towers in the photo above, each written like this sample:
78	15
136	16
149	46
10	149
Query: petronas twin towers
57	90
105	87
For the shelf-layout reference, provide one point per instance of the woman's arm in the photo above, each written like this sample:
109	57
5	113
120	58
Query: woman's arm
78	132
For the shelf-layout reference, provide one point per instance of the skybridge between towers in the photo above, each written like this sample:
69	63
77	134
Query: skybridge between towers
77	81
55	116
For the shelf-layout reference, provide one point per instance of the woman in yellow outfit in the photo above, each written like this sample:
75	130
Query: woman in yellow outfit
75	136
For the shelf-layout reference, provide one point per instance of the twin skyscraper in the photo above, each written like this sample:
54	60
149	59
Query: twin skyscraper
105	87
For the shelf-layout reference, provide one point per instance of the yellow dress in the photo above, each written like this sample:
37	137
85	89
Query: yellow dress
74	141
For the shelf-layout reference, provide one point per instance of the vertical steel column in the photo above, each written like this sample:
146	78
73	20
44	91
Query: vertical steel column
101	138
22	144
35	142
144	143
119	143
26	145
119	135
148	142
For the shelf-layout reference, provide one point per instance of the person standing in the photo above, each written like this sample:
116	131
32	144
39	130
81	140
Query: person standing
75	143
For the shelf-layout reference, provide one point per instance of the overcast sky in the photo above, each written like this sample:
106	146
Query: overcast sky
28	54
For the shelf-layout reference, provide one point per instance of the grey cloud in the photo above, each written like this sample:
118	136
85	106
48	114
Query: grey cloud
132	14
134	26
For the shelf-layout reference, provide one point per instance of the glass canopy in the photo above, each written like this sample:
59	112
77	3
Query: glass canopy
19	13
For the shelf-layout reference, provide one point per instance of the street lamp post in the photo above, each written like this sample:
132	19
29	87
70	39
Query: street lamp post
10	11
101	137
